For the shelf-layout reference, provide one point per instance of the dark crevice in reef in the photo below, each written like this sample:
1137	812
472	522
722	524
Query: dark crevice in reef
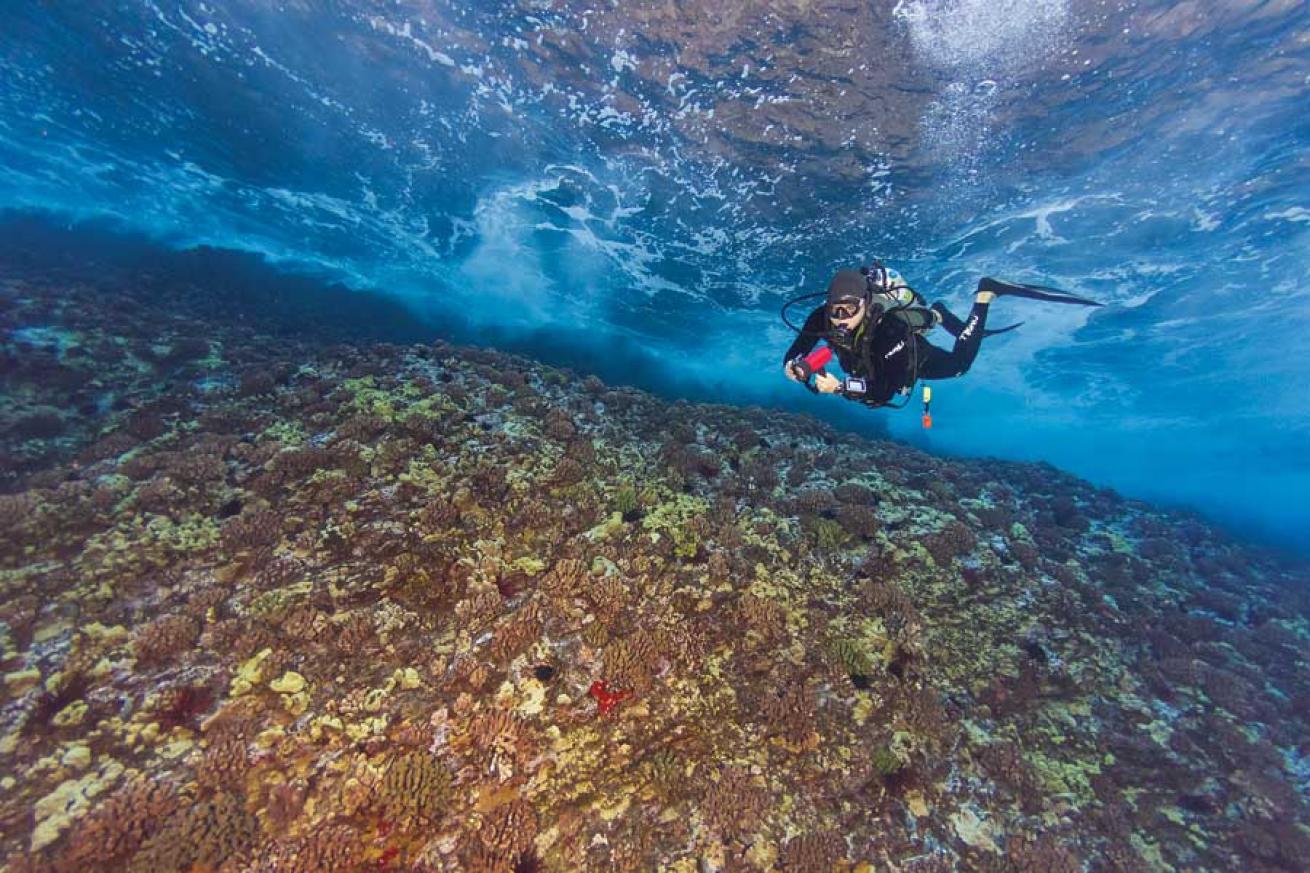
290	600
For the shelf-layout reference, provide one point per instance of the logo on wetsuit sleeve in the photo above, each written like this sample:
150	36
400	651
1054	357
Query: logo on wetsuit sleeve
896	348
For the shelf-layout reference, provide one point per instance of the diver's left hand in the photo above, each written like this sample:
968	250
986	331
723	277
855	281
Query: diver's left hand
826	383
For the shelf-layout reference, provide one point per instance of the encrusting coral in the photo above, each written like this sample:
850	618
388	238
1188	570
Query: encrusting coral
308	603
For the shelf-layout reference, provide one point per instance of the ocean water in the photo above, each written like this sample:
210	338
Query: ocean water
397	471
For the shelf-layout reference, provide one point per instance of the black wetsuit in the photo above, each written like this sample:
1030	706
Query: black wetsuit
891	355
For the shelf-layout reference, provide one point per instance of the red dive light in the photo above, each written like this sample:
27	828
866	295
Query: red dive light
812	363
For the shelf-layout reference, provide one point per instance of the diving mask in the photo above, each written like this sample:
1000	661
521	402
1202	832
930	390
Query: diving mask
844	310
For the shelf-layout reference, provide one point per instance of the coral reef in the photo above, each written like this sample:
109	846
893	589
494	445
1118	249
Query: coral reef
304	603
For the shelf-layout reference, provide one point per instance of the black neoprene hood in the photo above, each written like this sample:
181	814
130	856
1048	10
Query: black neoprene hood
847	285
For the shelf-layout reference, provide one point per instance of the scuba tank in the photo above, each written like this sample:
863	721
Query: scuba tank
888	288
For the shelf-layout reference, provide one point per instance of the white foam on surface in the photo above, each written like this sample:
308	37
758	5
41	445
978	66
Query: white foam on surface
971	33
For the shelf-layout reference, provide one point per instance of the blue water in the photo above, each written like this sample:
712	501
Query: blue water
660	183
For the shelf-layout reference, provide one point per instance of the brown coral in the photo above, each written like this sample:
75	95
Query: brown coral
356	634
206	834
277	573
630	661
283	804
116	828
814	852
763	616
334	848
181	705
223	763
953	540
251	531
733	802
479	609
509	829
860	521
497	737
415	787
1040	853
791	711
608	597
558	426
565	579
164	638
513	637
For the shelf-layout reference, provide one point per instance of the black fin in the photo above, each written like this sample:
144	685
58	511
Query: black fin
987	333
1032	292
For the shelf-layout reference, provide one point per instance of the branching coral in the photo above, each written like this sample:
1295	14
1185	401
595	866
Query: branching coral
479	609
733	803
356	633
223	763
165	638
631	660
953	540
497	738
415	787
331	849
565	579
509	830
513	637
765	617
251	531
283	805
1040	853
608	597
115	829
206	834
181	705
791	712
814	852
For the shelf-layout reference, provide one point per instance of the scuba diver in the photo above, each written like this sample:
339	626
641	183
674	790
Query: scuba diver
874	322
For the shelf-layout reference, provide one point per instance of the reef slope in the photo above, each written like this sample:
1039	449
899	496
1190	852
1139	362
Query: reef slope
298	603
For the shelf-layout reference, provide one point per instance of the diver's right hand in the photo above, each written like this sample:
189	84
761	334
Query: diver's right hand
790	370
826	383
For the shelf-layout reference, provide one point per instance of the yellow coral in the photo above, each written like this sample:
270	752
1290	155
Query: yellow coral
249	674
70	801
290	682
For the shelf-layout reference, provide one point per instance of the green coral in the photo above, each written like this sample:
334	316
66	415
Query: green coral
662	770
827	534
674	518
885	762
626	499
289	433
365	397
1068	778
192	533
851	655
406	401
